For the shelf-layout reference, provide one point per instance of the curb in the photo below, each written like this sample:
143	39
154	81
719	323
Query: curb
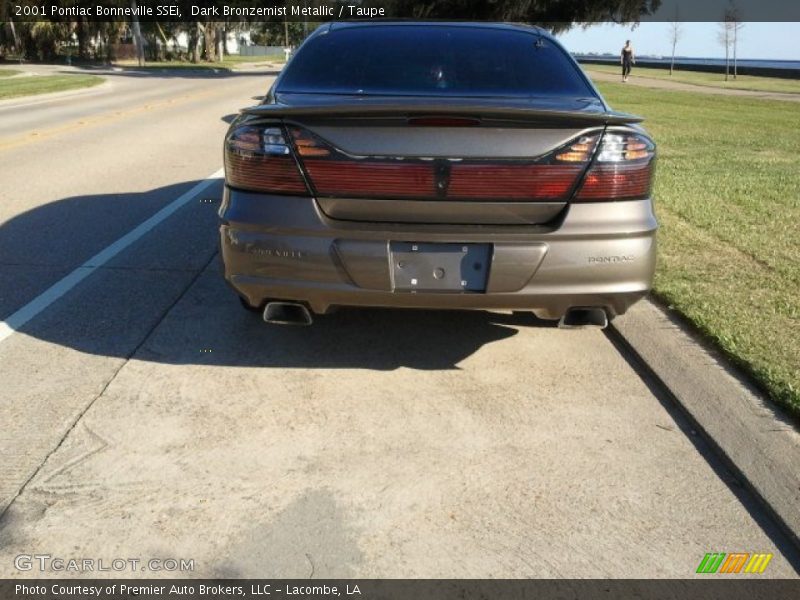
759	445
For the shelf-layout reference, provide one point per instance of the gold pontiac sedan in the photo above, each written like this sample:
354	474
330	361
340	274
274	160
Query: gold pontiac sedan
437	165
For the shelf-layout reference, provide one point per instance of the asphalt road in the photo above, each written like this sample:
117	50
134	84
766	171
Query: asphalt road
146	415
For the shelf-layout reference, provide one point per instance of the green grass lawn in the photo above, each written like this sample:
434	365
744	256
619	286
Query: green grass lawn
742	82
8	72
42	84
728	198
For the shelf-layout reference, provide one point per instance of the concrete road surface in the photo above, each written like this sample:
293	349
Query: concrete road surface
145	415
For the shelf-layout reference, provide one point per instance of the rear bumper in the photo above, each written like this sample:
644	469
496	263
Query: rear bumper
282	247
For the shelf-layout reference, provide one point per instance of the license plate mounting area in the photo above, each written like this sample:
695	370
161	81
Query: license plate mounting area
439	267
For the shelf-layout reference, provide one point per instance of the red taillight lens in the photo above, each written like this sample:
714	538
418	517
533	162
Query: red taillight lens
623	169
513	182
332	172
259	159
616	182
549	178
368	178
264	174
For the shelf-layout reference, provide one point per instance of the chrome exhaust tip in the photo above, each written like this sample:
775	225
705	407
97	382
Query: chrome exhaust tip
287	313
584	317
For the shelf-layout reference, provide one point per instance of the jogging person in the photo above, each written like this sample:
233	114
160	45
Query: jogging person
627	59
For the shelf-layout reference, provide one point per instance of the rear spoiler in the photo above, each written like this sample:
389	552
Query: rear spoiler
518	111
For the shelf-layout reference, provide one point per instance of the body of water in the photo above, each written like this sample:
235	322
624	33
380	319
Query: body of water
712	62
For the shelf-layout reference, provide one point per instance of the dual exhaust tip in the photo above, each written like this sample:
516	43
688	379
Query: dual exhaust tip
584	318
293	313
287	313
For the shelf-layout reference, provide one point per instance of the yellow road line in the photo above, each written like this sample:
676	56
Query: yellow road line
102	119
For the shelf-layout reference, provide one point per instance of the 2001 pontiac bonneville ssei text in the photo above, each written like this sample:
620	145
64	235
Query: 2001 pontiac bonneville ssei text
437	165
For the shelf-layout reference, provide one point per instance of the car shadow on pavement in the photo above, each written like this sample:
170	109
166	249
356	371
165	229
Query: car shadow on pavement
208	327
164	299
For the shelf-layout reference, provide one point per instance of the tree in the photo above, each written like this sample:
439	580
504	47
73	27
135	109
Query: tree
737	27
9	39
210	41
734	17
556	15
194	41
274	33
725	37
43	40
137	35
83	32
674	36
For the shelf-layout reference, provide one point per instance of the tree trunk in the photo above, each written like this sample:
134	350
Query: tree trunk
210	42
14	35
735	35
163	52
83	39
727	54
137	35
672	62
111	54
219	33
194	43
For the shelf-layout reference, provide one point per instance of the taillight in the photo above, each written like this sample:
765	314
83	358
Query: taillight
334	173
257	158
551	177
577	151
370	178
512	182
622	170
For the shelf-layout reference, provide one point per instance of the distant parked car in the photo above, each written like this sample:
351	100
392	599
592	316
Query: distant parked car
435	165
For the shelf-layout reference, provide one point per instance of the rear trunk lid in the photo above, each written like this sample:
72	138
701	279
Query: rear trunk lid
449	160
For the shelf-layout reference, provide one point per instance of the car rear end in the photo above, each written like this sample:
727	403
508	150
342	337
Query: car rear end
438	166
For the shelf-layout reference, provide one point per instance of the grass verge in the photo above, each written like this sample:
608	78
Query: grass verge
8	72
172	64
728	199
228	64
742	82
36	84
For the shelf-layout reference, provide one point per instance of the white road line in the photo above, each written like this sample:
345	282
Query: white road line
46	298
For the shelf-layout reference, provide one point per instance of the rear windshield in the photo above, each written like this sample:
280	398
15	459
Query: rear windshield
433	60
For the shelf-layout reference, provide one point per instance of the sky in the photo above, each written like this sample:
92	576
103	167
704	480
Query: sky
756	40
